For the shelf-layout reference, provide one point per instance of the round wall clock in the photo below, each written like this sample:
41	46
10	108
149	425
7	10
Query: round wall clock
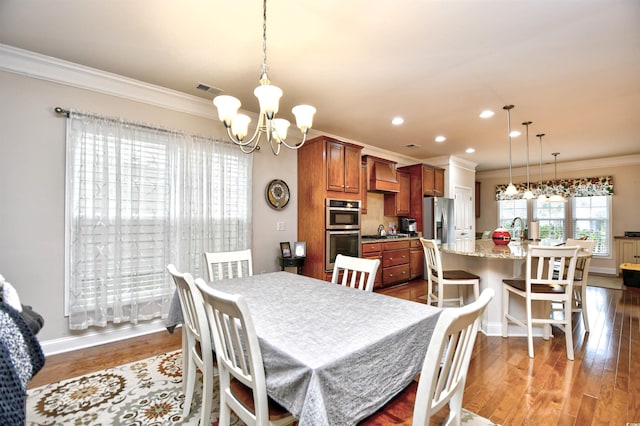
277	194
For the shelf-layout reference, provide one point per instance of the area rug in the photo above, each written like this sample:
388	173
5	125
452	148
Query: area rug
144	393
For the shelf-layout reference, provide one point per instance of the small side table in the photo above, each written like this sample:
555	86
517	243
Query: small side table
298	262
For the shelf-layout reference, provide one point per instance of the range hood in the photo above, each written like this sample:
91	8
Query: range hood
381	174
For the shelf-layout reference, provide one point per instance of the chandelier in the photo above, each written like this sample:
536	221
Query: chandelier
274	129
557	196
511	189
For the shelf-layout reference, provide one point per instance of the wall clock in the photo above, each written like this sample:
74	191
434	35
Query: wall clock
277	194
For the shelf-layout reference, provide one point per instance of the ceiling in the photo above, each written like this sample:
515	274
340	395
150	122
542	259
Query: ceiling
572	67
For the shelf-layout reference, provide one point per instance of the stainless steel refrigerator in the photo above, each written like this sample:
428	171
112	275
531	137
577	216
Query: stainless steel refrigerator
439	219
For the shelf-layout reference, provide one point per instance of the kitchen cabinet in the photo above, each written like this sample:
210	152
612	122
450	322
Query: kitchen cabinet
416	259
374	251
422	182
477	199
395	262
627	251
327	168
363	188
381	174
432	181
398	204
343	167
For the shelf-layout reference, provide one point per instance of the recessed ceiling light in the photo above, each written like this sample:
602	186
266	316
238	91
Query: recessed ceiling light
470	150
487	114
397	121
440	138
515	133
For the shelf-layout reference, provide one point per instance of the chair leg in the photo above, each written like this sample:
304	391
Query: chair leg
505	311
207	392
568	330
583	305
460	295
476	289
440	295
225	411
529	329
191	383
455	408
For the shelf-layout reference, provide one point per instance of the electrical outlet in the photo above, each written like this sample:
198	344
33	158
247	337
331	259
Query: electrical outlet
280	226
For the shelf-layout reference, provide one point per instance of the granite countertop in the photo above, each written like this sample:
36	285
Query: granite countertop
386	239
486	248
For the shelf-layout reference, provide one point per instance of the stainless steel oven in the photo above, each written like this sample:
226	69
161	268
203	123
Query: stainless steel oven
342	214
341	242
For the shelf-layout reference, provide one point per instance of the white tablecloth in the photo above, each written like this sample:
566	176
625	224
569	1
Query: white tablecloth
333	355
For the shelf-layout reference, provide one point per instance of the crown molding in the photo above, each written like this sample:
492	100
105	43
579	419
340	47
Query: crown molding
589	164
35	65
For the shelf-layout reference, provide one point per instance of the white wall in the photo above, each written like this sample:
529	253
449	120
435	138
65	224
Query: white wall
32	165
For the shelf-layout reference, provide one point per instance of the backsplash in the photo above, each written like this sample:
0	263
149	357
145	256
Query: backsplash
375	214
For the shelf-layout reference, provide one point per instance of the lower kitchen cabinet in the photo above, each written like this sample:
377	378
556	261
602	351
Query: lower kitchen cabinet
416	260
395	262
374	251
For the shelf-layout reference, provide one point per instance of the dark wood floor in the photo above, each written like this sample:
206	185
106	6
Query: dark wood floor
602	385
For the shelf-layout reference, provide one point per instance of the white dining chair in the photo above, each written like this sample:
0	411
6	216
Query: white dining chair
438	278
197	347
581	278
546	284
241	371
450	348
228	264
355	272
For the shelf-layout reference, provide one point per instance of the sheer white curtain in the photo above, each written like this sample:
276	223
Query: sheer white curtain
138	198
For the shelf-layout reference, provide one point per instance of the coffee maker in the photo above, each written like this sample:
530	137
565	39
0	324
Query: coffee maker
408	226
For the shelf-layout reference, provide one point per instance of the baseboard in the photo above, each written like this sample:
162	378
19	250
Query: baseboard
91	339
603	271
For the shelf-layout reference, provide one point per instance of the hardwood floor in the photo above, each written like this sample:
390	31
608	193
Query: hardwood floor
602	385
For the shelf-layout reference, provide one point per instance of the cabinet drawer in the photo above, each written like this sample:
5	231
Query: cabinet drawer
415	244
395	257
395	245
395	274
371	248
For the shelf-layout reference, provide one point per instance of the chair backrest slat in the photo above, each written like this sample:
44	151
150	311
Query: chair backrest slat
227	265
356	272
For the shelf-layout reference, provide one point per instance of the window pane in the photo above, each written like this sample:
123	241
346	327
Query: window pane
591	219
509	210
551	219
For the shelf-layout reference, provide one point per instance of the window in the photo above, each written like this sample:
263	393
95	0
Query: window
551	219
139	198
590	218
509	210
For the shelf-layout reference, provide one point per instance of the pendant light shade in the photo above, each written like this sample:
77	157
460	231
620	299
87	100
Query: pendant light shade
511	189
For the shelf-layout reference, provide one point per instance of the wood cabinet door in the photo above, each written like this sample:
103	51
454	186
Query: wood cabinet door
438	182
428	180
403	203
378	281
352	167
335	166
416	263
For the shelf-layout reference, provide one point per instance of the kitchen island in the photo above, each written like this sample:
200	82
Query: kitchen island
493	263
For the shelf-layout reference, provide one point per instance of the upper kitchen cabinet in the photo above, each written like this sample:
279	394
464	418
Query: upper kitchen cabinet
330	168
432	181
343	166
399	203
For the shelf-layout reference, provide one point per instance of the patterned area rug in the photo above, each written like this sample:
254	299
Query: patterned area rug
145	393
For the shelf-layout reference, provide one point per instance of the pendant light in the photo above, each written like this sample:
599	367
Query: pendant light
556	197
511	189
528	195
541	196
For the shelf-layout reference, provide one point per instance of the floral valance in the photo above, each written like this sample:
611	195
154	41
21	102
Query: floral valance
581	187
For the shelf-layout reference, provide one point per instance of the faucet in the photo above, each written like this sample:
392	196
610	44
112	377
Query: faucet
517	234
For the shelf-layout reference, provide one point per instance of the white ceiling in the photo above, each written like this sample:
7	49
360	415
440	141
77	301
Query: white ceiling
572	67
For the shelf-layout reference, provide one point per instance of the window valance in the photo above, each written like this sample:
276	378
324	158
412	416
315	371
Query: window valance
580	187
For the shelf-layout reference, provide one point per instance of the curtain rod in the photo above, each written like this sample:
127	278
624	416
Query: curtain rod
67	113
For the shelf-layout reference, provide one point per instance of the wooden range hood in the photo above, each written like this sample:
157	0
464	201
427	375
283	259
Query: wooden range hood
381	173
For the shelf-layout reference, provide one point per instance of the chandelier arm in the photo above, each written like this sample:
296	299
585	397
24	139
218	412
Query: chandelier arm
298	145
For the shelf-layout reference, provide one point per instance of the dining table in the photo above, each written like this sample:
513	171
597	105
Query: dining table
333	355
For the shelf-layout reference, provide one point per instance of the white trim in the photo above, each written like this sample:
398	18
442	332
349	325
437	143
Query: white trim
35	65
96	338
595	163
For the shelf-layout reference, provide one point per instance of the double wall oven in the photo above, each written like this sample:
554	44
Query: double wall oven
342	229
